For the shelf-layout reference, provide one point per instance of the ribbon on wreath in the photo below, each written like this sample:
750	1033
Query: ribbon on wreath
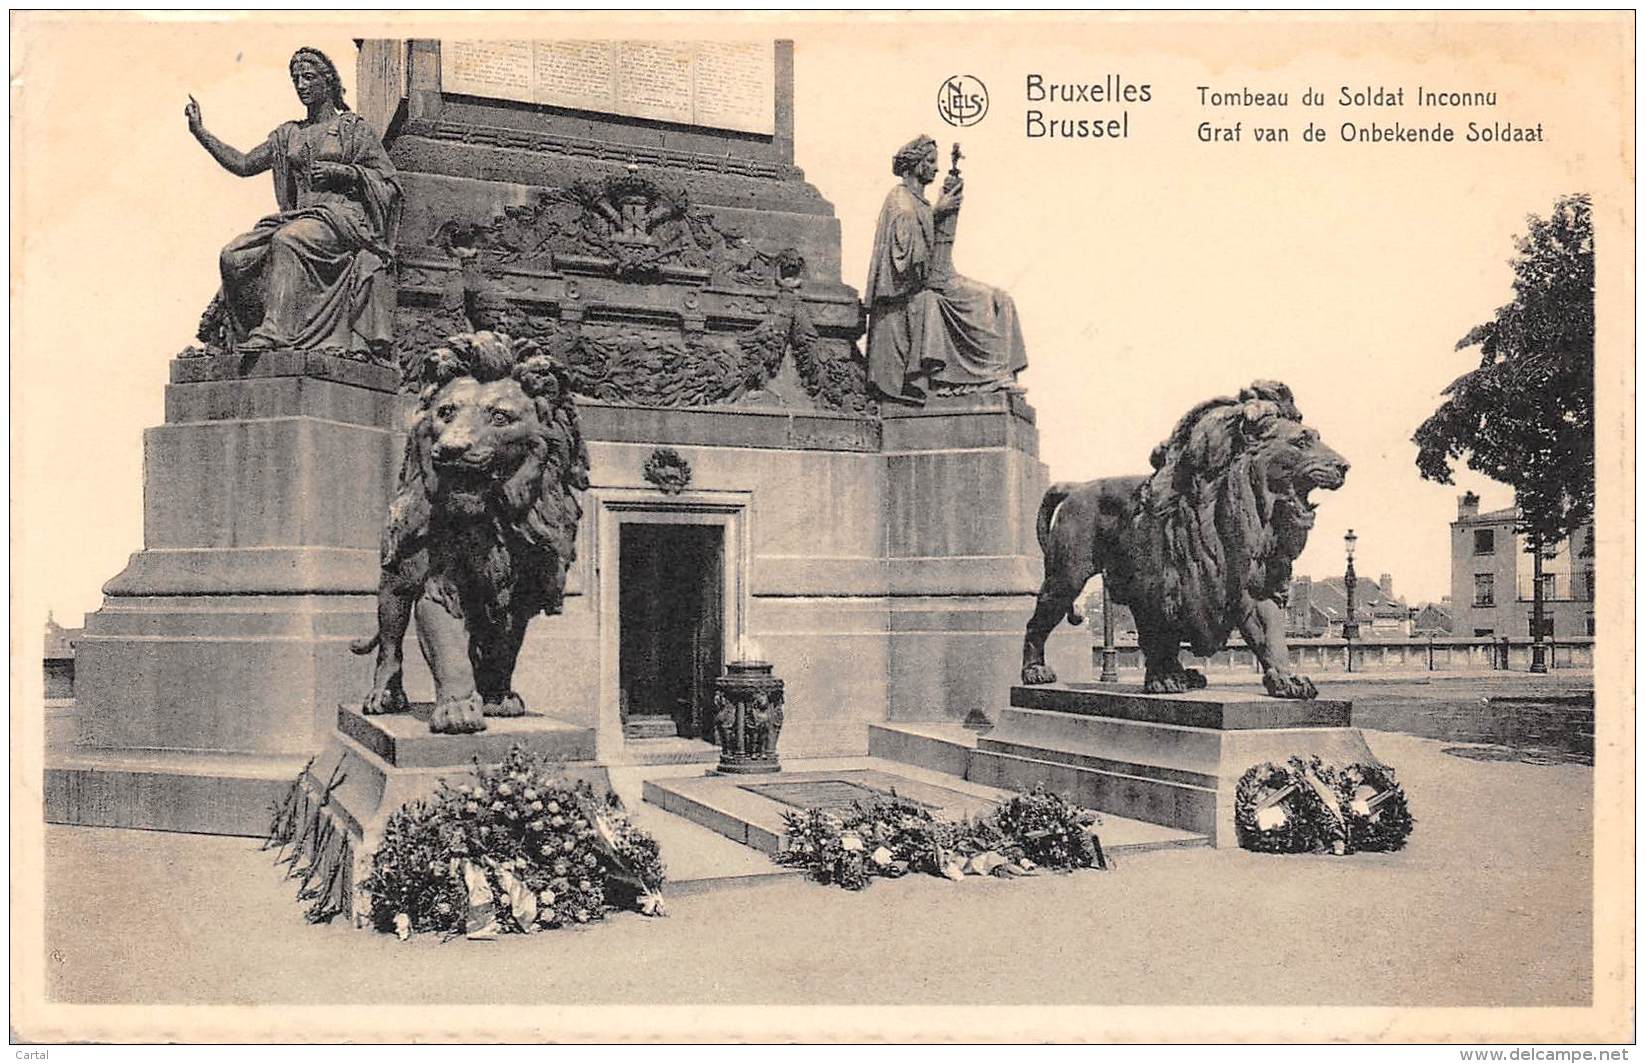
481	921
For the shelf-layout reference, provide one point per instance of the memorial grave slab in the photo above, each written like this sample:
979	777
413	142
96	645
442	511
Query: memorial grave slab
751	812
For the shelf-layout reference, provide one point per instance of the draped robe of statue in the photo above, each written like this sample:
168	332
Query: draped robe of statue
928	326
318	273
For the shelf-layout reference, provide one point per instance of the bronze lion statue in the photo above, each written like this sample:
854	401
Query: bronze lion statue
1198	548
482	527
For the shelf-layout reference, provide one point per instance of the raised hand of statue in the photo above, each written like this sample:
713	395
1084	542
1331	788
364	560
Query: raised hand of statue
192	113
953	195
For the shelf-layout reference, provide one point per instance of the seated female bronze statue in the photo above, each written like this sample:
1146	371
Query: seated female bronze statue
929	328
318	274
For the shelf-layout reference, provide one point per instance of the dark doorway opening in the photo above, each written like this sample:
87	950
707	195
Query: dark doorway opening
670	581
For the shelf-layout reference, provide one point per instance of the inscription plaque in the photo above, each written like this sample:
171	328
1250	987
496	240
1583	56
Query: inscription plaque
716	84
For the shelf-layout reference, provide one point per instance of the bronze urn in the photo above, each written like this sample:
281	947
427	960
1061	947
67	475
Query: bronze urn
748	703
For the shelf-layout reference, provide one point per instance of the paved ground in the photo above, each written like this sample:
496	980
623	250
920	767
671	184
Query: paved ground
1489	905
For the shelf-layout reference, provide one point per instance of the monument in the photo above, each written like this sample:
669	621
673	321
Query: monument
632	211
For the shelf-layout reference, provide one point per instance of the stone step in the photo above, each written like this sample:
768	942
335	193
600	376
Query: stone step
1219	708
1142	794
167	790
404	741
1171	760
941	746
654	726
671	751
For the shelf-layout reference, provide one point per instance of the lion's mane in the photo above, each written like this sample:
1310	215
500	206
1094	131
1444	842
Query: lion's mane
1207	519
535	507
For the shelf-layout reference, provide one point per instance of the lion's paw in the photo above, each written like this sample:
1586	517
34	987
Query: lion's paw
458	716
1281	686
1192	680
390	698
507	704
1038	674
1169	684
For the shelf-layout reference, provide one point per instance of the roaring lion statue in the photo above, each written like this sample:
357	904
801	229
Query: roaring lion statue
482	527
1198	548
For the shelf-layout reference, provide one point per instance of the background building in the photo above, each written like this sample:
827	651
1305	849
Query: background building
1434	618
1319	607
59	659
1491	577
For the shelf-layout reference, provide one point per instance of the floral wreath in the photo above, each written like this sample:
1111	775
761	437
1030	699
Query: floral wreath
1307	806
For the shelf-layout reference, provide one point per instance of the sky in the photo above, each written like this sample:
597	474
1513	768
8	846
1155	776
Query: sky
1150	272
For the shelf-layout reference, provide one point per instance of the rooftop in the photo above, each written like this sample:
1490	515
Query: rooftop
1330	597
1489	517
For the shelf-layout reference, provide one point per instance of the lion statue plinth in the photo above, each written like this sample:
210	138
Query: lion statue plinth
1200	547
482	527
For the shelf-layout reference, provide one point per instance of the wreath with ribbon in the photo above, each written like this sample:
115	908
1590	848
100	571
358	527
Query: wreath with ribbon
1307	806
1379	817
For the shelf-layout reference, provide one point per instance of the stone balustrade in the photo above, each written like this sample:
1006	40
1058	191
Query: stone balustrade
1388	654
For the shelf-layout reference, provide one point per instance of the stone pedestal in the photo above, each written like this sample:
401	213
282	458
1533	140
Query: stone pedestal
1166	759
221	652
963	483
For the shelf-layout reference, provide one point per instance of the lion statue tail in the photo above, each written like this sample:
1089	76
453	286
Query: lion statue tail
365	646
1055	496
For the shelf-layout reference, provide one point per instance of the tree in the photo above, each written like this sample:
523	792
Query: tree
1525	417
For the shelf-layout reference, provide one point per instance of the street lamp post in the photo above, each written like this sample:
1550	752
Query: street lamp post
1110	656
1539	610
1350	627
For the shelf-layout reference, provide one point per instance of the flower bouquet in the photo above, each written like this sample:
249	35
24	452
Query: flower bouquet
893	836
512	848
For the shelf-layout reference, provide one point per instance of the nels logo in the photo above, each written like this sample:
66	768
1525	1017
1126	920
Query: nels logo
962	100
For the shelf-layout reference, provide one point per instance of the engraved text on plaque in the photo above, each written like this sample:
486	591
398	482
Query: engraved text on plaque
719	84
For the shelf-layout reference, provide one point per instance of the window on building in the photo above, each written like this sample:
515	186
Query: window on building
1550	586
1484	541
1588	584
1484	589
1547	627
1590	624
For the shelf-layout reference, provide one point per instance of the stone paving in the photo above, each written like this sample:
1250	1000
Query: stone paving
1490	904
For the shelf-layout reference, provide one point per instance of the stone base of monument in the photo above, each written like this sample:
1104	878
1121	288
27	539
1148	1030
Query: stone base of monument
374	765
213	669
1166	759
166	790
